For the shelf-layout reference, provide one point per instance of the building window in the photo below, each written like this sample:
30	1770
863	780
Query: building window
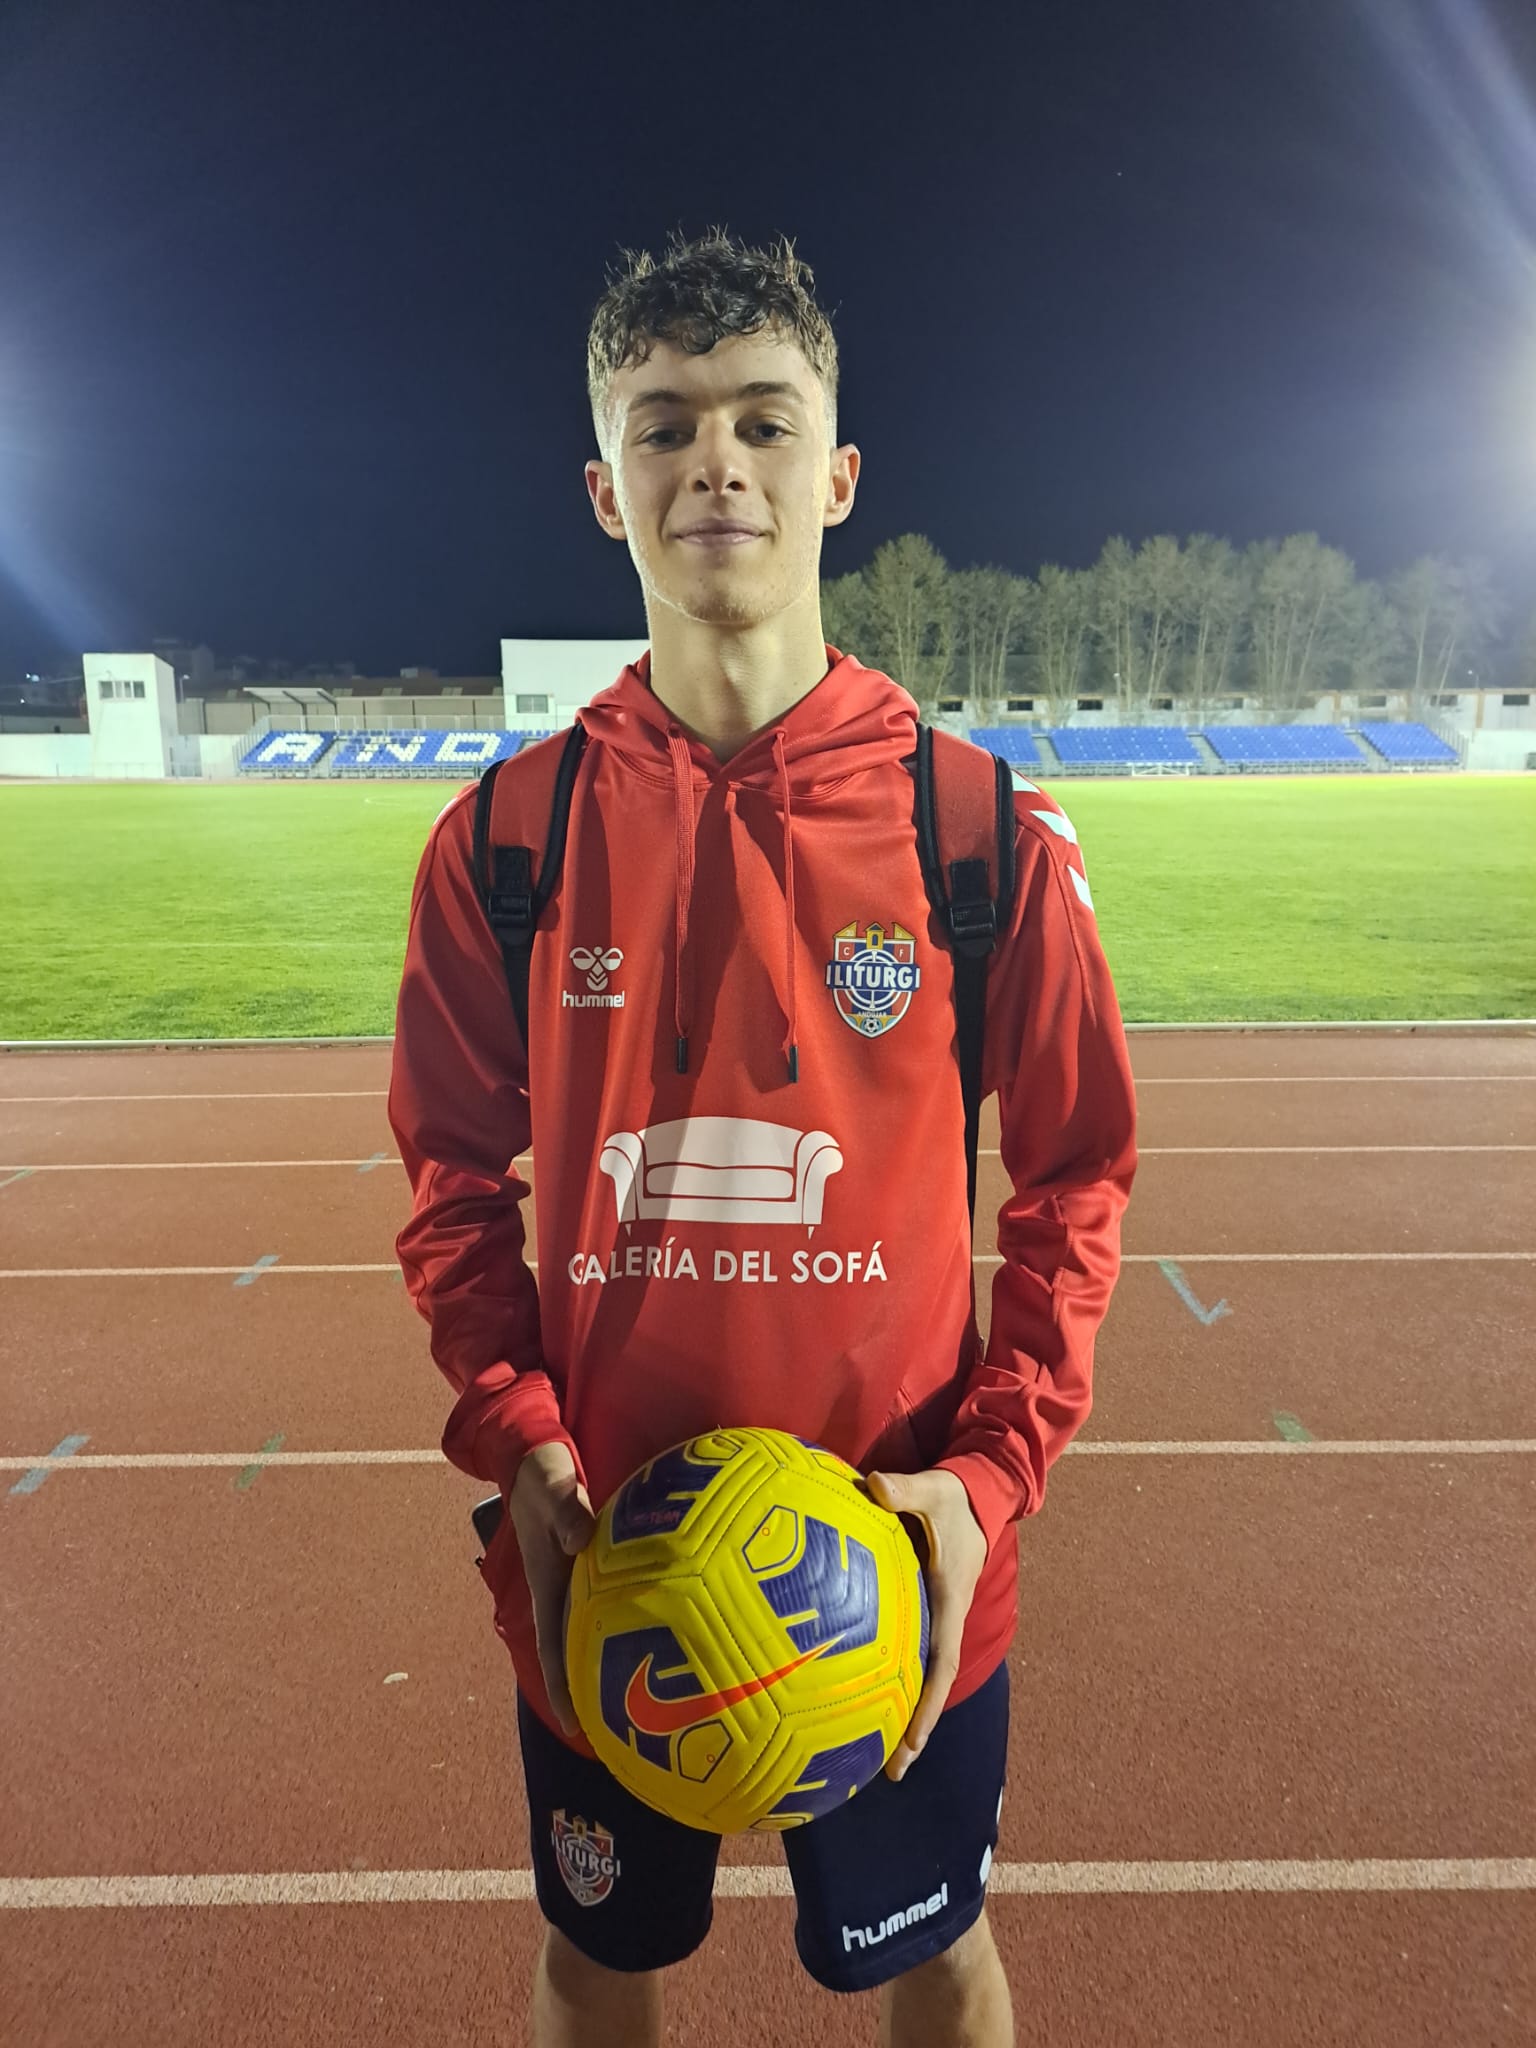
1090	703
1373	703
951	704
1520	697
106	687
1447	703
532	707
1021	703
138	688
1235	703
1162	703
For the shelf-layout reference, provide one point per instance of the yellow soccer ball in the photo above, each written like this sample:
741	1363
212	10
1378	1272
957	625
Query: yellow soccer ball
747	1633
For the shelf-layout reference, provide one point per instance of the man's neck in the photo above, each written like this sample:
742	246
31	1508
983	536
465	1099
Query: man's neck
723	684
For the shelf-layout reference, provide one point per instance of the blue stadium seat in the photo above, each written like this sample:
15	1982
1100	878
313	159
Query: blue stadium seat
286	753
461	755
1408	742
1288	746
1124	746
1011	743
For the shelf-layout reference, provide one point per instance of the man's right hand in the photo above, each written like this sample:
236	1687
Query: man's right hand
553	1519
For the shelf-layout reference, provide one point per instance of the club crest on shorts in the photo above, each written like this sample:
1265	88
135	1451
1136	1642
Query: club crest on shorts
872	974
585	1855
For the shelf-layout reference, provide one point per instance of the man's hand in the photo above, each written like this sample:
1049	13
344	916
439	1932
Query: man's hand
957	1550
553	1519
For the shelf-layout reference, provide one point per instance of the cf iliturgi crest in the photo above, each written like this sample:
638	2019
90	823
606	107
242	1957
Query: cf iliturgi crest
872	974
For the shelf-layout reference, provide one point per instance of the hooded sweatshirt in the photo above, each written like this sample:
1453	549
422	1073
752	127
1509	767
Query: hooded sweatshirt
746	1128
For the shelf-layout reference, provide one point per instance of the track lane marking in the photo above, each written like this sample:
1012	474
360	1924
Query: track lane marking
766	1880
1233	1447
1142	1081
980	1259
985	1152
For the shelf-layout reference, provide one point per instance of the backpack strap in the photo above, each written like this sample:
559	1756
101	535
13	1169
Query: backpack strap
504	876
964	822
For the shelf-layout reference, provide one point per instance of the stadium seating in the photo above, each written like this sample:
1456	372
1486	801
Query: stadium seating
1124	746
1011	743
1282	746
286	753
1410	743
460	755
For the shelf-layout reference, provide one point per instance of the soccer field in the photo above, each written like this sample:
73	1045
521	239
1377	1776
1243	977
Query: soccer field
270	909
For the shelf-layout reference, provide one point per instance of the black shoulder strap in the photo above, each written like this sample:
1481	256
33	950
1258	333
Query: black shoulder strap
971	918
513	902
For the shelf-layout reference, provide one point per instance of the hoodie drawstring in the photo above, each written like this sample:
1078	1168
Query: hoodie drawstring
682	790
791	1048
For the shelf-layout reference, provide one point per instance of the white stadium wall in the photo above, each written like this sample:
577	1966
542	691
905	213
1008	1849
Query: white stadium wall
1501	751
45	755
562	675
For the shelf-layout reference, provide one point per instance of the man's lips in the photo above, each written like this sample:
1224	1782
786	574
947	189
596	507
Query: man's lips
718	540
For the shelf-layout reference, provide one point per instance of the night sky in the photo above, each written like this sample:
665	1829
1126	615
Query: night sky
293	298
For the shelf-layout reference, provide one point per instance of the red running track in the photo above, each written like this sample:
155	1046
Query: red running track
1293	1675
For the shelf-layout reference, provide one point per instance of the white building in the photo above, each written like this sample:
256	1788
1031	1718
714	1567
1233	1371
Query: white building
545	682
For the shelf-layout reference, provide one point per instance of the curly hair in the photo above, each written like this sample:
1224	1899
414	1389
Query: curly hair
697	293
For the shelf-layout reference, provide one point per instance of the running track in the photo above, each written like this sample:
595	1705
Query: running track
1274	1762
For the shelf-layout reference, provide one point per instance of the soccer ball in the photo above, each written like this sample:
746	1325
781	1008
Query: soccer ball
747	1634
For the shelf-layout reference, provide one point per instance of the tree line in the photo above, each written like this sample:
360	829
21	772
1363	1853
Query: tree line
1194	620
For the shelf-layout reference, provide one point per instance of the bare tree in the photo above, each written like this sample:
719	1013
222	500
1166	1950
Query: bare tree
1060	623
1216	599
1445	613
989	611
912	617
1161	576
1117	620
847	621
1300	617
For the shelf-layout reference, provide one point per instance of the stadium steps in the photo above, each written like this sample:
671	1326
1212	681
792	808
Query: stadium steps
1211	762
1050	760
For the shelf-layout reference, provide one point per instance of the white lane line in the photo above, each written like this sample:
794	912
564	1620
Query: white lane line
1252	1447
1241	1447
220	1095
766	1880
985	1152
1147	1081
981	1259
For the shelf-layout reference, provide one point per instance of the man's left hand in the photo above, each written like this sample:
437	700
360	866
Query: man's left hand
957	1550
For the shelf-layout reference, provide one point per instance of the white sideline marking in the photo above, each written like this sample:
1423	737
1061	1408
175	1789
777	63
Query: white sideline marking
1240	1447
221	1095
1142	1081
981	1259
766	1880
985	1152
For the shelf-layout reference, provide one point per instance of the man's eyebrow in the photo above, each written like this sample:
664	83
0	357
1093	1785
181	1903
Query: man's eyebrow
762	388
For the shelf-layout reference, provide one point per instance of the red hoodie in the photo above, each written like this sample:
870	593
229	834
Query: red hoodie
729	1244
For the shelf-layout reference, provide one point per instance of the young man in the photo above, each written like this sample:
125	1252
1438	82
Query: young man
741	803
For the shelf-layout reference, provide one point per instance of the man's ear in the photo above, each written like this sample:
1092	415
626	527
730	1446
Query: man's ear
842	482
605	503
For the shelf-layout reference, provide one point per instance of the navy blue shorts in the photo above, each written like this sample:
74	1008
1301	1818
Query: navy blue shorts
886	1882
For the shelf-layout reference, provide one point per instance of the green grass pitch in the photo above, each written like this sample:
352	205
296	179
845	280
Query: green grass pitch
269	909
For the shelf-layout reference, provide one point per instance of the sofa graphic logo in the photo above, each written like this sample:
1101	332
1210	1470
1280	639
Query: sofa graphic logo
584	1852
720	1169
597	967
872	974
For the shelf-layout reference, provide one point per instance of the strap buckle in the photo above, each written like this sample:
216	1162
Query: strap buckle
973	927
510	912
